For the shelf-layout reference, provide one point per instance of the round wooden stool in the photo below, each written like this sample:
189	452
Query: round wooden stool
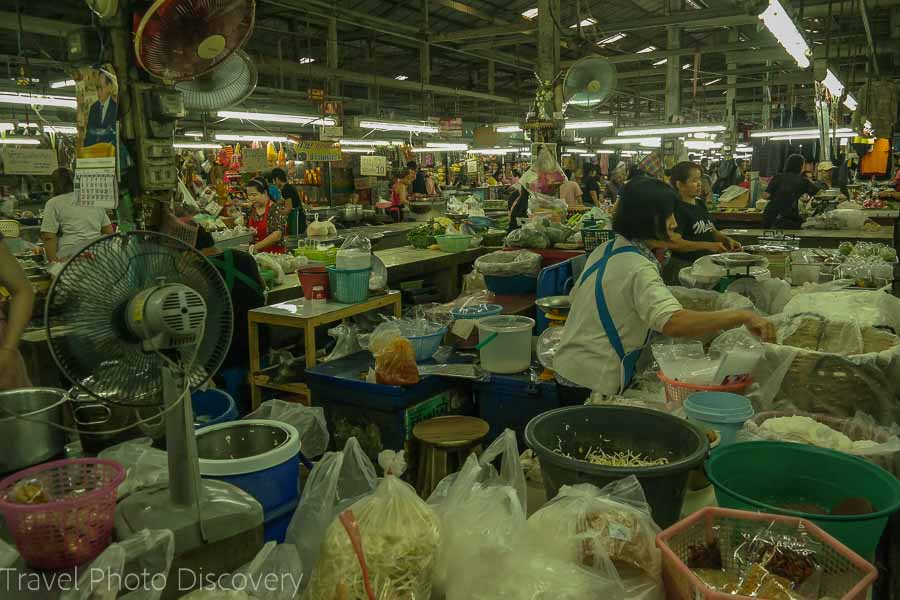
446	443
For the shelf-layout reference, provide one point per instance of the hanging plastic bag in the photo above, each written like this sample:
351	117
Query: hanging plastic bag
309	421
346	338
399	536
338	480
545	175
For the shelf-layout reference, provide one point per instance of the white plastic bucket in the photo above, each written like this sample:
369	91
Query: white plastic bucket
508	343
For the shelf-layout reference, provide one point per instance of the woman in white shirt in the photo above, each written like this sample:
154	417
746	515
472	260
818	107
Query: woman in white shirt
620	299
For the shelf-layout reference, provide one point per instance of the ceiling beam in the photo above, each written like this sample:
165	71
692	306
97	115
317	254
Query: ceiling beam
475	33
37	25
469	10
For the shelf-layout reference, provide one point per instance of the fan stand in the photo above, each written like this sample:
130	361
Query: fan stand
217	526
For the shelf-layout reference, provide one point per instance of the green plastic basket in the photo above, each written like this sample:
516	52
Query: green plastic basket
349	286
453	243
768	476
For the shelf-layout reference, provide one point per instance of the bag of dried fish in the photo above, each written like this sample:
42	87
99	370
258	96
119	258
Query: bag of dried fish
593	526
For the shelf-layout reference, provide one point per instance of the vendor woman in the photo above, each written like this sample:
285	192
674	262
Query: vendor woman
620	299
266	219
696	235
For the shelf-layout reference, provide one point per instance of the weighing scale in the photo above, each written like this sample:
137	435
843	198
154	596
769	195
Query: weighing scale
738	278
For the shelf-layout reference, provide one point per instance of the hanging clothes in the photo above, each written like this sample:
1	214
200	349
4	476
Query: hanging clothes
877	103
877	160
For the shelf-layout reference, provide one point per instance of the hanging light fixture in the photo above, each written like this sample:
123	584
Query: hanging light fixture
782	26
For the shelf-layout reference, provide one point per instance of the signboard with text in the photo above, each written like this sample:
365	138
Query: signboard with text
253	160
28	161
373	166
317	151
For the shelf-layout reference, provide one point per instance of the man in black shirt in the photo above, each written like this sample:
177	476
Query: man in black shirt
590	189
418	185
291	197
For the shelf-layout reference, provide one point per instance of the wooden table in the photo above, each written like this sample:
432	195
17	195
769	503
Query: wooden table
754	219
299	314
818	238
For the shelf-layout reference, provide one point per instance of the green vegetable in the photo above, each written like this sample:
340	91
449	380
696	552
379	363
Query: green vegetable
845	248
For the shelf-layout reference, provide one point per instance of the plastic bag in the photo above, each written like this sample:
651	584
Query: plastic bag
338	480
838	219
102	580
508	264
528	237
545	175
548	206
396	364
8	555
601	528
309	421
473	282
148	553
346	342
322	229
273	574
385	333
144	464
399	535
265	261
355	253
869	309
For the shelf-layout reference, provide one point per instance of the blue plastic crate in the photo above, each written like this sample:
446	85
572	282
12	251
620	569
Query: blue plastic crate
511	401
379	416
510	286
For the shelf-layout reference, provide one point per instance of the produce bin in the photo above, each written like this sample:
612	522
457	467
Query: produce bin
511	401
654	434
785	478
379	416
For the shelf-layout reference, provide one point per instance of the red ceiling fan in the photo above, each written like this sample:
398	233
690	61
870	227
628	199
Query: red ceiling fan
176	40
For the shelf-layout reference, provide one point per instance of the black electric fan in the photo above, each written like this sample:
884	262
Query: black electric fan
140	319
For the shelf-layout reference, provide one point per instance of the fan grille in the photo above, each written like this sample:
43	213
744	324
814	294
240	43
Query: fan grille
86	322
182	39
589	83
228	84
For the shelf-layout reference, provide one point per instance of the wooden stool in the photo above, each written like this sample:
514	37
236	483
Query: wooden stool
446	443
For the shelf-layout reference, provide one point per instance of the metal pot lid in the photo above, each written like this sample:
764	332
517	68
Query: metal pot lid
554	303
767	249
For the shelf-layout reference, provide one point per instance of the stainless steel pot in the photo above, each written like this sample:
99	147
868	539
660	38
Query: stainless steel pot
29	437
94	418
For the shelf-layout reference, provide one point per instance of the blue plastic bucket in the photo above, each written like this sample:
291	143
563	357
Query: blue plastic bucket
271	476
212	407
720	411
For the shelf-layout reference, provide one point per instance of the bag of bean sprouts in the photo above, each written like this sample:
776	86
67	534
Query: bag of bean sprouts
392	532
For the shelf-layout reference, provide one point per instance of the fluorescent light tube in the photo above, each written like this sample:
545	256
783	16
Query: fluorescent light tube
530	14
196	145
587	124
20	141
388	126
612	39
359	150
493	150
717	80
669	129
628	153
785	31
576	150
63	129
401	77
306	60
38	100
850	102
365	143
63	84
605	151
632	140
646	50
507	128
229	137
686	67
702	145
275	118
661	61
812	136
771	133
193	134
585	23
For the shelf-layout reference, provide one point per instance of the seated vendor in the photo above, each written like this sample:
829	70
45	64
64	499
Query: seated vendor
696	236
620	299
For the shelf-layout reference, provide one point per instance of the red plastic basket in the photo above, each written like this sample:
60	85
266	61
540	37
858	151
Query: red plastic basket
846	575
677	391
76	525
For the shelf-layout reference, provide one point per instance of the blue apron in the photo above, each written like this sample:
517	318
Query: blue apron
628	361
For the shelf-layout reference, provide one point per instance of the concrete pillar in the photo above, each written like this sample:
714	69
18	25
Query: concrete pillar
731	96
425	57
767	98
371	89
548	40
673	75
491	77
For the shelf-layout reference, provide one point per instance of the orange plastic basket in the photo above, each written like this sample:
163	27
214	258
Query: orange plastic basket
846	575
677	391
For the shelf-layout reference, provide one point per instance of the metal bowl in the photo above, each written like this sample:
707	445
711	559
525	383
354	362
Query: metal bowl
557	305
240	439
29	432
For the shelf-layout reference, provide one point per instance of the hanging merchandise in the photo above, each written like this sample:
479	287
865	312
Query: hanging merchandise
877	105
875	162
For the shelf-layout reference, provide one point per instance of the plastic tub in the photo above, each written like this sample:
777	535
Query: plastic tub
768	476
510	349
212	407
510	286
424	345
349	286
259	456
574	429
722	412
77	524
473	312
310	277
453	243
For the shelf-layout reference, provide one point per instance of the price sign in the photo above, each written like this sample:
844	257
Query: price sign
472	167
254	159
373	166
331	133
29	161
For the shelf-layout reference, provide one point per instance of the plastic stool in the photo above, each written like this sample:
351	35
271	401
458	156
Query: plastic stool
446	443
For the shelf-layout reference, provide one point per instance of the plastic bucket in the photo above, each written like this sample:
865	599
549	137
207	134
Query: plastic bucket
212	407
770	476
310	277
349	286
261	457
654	434
722	412
510	349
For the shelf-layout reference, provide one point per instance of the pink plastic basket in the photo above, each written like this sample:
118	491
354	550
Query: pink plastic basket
76	525
677	392
846	575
